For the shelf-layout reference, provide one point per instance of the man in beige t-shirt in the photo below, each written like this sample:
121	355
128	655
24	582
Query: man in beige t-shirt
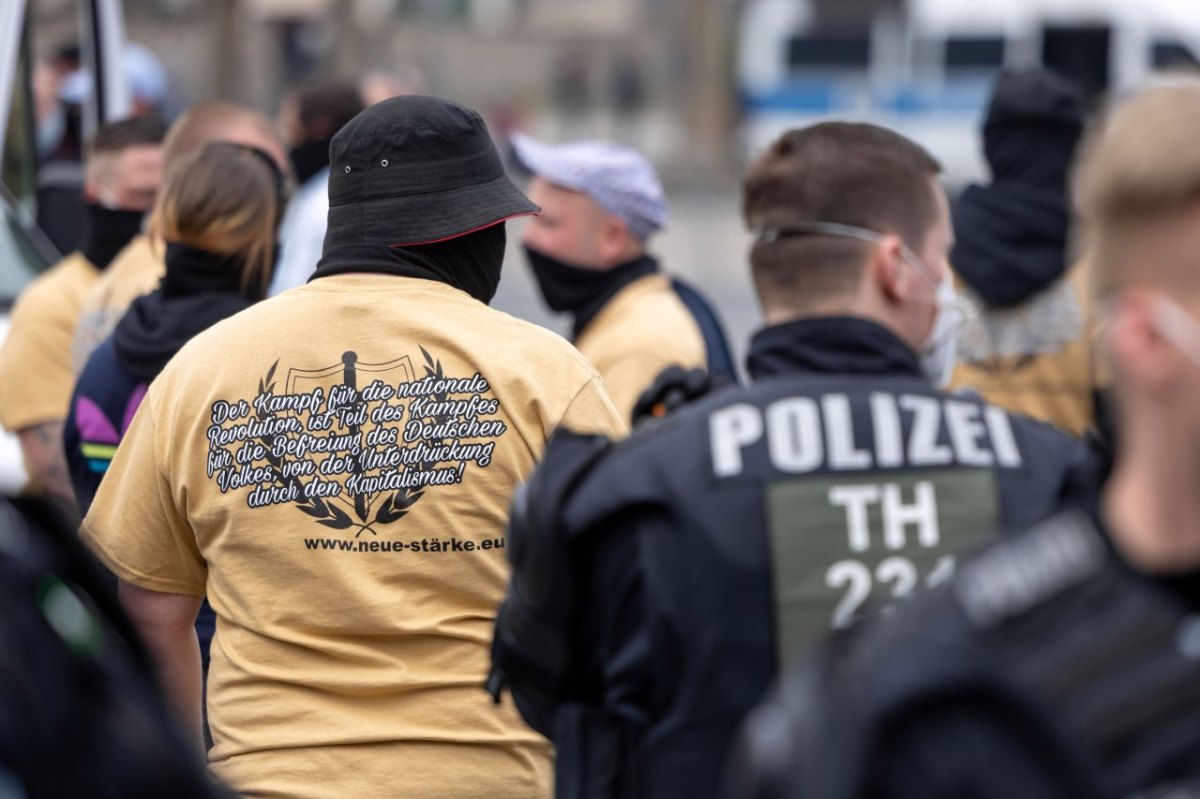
137	269
601	203
122	174
334	467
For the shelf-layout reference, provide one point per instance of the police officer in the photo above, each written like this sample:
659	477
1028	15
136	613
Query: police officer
1064	661
659	583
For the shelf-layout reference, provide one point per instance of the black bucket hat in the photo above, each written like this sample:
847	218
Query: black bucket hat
417	170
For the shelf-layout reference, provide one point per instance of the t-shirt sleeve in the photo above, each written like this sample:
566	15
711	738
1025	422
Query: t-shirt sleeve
35	366
592	412
134	525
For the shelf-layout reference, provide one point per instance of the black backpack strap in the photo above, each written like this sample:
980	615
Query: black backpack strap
716	345
531	651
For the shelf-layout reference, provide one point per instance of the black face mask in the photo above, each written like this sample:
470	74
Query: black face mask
309	158
580	291
566	287
470	262
106	231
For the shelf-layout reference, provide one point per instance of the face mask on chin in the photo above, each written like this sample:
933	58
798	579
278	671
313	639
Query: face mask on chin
939	352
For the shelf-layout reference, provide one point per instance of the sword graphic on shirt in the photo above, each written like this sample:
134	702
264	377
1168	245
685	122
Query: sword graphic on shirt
353	456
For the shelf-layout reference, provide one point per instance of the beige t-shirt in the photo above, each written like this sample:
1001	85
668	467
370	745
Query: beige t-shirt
639	332
35	362
135	271
334	466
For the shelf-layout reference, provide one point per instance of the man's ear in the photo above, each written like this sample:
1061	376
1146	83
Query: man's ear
91	189
614	239
886	265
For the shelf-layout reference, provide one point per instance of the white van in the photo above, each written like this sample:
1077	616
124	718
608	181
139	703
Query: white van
24	249
926	70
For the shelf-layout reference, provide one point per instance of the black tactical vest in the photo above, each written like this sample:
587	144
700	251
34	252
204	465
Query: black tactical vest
1046	669
838	483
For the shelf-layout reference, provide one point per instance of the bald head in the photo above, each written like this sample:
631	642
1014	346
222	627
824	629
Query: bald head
225	122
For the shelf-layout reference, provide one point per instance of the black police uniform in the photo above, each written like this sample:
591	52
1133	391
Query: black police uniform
1046	669
659	583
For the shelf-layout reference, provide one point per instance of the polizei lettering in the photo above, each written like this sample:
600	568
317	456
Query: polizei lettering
807	434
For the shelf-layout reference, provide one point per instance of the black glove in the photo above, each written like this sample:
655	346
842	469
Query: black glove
672	389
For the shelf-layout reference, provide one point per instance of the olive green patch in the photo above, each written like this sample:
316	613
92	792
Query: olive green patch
827	569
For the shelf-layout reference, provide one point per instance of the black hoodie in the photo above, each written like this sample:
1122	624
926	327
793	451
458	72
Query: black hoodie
1012	234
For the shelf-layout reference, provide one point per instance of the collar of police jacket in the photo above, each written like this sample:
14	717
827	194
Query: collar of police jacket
830	345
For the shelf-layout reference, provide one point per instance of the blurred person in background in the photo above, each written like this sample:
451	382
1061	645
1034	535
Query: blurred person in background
1031	347
601	202
1064	661
217	217
60	178
123	173
383	84
659	584
138	268
333	467
48	75
308	119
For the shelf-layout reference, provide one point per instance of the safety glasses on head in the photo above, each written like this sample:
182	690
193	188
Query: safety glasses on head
939	350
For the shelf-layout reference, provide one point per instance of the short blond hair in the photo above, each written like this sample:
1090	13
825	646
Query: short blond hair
1140	165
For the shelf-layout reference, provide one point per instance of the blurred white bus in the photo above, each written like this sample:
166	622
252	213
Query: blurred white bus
926	67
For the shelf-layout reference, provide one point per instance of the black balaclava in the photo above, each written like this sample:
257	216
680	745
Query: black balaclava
1034	121
568	288
1012	233
470	262
106	231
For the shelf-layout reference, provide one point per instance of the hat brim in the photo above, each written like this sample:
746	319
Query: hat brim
430	217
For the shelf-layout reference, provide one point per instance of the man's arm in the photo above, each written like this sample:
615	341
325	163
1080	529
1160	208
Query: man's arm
42	447
166	623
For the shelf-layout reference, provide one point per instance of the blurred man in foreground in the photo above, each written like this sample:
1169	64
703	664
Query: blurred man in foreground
122	175
601	203
659	583
1064	661
137	269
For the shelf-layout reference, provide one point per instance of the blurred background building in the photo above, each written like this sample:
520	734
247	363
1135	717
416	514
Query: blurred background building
699	85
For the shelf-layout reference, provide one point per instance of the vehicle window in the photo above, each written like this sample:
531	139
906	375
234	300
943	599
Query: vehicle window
830	50
1165	54
20	259
974	52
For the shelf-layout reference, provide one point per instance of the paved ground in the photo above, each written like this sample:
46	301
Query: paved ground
705	244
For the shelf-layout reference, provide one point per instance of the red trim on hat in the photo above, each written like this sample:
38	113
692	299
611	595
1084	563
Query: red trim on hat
467	232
